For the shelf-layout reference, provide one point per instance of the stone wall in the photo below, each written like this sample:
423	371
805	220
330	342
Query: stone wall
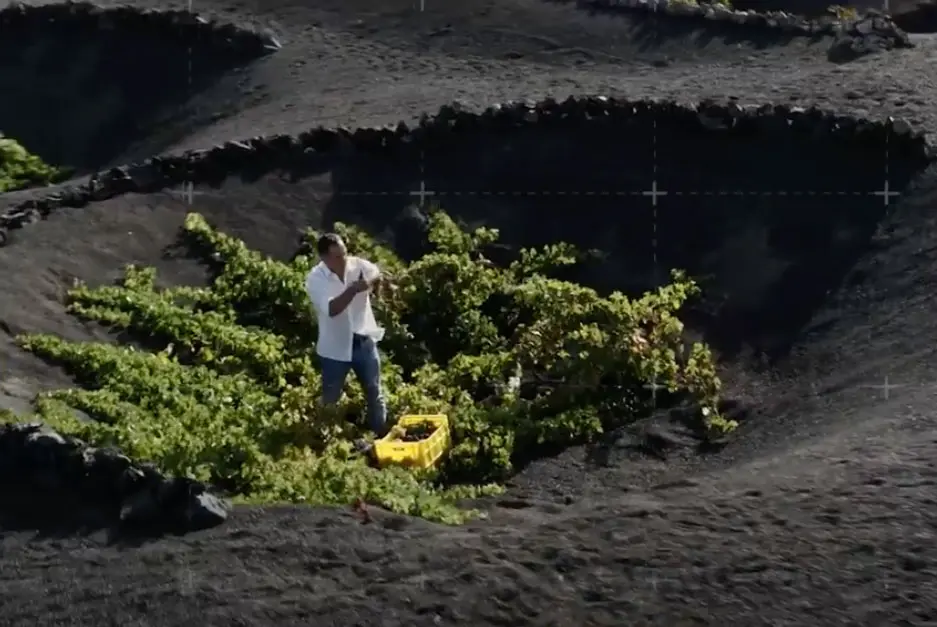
872	32
262	155
47	465
180	24
874	26
177	25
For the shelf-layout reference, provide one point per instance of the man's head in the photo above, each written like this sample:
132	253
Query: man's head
332	251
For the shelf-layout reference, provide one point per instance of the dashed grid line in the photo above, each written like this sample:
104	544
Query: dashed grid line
653	194
423	192
187	190
887	194
185	580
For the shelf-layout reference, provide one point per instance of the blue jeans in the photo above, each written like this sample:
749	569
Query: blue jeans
366	362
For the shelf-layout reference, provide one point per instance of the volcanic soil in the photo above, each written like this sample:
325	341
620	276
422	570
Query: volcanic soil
820	512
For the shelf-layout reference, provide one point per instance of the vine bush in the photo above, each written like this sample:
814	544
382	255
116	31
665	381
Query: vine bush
20	169
222	382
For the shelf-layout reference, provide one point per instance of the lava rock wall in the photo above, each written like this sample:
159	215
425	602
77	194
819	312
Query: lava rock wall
260	155
48	465
92	83
872	32
181	26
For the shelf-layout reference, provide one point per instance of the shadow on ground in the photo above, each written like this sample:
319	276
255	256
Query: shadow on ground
768	227
81	101
915	16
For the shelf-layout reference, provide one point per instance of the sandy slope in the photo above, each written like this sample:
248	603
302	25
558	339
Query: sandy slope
820	514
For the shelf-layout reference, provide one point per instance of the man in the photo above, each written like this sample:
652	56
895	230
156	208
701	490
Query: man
339	288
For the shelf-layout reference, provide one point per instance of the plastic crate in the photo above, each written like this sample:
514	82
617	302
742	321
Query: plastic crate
423	454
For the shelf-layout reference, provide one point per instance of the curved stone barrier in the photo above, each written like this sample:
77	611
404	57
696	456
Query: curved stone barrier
874	31
262	155
39	459
186	27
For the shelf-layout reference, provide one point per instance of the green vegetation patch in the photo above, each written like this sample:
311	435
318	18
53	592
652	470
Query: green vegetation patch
227	389
19	169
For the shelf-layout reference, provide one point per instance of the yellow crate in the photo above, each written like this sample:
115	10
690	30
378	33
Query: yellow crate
423	454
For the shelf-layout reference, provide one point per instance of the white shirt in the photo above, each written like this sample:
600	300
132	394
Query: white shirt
335	333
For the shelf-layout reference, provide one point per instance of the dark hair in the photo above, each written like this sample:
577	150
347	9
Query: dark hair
326	242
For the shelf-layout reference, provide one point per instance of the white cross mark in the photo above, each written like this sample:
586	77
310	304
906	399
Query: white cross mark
188	192
422	193
886	193
186	581
653	193
653	386
887	387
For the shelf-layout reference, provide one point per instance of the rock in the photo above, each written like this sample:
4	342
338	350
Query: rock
205	510
711	120
851	47
40	457
139	508
63	468
864	27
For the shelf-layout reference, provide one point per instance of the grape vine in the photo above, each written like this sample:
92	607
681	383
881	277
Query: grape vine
20	169
225	386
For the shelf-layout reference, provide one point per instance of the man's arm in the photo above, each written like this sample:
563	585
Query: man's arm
318	294
340	303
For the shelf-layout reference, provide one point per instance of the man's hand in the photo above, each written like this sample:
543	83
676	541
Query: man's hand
360	285
340	303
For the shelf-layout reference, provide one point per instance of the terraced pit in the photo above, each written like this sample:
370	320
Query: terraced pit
96	85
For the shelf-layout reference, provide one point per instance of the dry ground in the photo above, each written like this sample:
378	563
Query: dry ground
820	513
